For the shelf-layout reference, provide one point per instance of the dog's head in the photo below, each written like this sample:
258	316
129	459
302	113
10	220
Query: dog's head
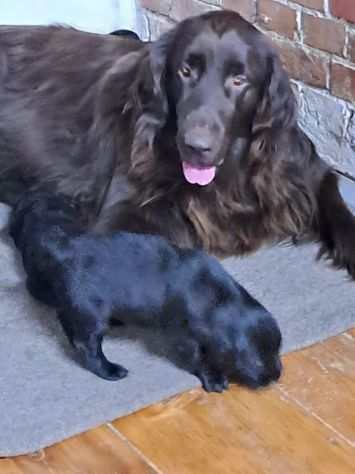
221	83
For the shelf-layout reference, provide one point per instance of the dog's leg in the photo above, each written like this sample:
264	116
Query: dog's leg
335	225
86	337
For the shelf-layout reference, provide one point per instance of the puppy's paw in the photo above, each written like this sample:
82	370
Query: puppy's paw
213	382
114	372
107	370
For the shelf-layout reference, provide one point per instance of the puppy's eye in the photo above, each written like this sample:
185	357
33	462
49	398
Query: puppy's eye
238	80
185	71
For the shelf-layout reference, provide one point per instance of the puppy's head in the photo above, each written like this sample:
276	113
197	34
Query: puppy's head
244	341
254	360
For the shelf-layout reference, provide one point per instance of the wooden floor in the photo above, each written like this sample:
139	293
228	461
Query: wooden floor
305	425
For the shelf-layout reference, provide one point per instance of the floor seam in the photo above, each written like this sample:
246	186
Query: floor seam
317	417
135	449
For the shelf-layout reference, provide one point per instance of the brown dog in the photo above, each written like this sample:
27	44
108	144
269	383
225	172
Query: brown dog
193	137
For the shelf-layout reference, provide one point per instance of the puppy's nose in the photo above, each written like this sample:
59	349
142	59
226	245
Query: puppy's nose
199	139
277	370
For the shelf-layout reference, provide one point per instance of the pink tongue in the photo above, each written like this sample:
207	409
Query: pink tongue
195	175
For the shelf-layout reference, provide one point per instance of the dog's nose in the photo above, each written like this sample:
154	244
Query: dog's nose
199	139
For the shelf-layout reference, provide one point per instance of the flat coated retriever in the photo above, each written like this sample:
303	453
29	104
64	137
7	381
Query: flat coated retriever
143	279
193	137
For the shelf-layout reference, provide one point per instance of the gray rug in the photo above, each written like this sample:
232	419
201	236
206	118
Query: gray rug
46	397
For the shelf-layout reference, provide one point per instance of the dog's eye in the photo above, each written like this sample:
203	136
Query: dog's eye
185	71
238	80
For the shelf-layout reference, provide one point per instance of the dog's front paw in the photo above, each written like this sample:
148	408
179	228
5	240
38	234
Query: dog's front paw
213	382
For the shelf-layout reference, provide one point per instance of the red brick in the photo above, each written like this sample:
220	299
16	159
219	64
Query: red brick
343	9
276	17
315	4
352	47
182	9
303	66
325	34
246	8
342	81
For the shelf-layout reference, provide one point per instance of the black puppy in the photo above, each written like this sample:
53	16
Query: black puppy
143	279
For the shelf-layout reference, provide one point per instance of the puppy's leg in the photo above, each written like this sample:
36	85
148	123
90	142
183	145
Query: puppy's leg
212	379
335	225
85	333
40	290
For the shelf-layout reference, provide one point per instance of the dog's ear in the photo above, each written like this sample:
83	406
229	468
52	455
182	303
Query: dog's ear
151	98
278	108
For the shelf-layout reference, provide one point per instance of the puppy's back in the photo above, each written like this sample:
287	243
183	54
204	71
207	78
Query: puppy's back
132	271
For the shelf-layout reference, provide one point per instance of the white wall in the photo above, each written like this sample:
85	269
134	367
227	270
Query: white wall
98	16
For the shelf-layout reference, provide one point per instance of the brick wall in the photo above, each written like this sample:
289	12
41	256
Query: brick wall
316	40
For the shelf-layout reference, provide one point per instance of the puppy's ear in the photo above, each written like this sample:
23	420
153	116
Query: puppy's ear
278	108
151	98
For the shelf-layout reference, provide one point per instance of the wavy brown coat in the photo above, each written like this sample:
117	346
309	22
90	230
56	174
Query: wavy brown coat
97	117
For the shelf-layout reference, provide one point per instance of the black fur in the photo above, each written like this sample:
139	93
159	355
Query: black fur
143	279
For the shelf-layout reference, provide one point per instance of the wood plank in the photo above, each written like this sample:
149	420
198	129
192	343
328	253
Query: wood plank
99	451
239	432
321	379
304	425
8	466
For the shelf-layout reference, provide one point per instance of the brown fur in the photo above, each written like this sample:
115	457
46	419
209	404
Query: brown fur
96	117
